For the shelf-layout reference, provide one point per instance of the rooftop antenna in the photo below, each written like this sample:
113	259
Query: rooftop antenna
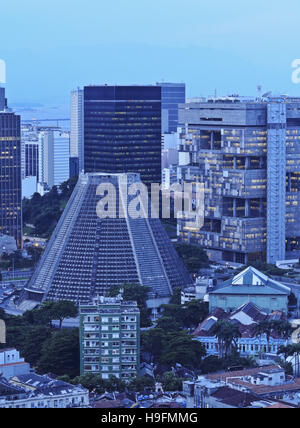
259	89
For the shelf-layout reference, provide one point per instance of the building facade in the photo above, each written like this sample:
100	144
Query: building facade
77	126
54	157
246	152
250	286
122	130
89	253
10	177
172	94
110	338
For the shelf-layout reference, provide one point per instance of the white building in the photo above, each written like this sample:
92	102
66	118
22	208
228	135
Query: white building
76	137
12	364
54	155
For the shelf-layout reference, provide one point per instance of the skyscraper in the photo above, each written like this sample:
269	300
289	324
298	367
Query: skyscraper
10	176
247	154
2	99
87	254
77	134
172	94
122	130
54	155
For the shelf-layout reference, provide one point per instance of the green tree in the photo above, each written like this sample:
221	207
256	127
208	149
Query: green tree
176	297
60	353
227	334
194	313
179	347
64	309
139	294
152	342
140	384
171	382
168	324
193	256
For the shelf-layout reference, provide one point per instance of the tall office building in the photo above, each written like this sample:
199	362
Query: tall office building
54	155
10	175
61	157
122	130
172	94
110	338
46	159
247	154
77	134
31	159
87	254
2	99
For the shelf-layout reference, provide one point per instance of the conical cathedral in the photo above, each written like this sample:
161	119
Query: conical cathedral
88	253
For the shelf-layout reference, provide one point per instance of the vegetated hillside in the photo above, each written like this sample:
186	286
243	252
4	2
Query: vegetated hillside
41	213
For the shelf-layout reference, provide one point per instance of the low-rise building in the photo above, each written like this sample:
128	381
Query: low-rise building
245	317
250	286
255	387
12	364
36	391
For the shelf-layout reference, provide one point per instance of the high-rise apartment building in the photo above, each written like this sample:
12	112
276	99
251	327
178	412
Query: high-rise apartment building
110	338
122	130
247	154
172	94
10	176
77	134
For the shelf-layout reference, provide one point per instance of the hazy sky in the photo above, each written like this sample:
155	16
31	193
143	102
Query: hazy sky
51	47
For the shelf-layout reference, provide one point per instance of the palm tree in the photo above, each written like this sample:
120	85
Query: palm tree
292	350
227	333
283	328
264	327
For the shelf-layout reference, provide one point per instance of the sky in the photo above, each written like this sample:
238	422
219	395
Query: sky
232	46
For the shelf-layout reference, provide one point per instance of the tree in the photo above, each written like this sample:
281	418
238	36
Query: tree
140	384
64	309
283	328
227	333
193	256
179	347
60	353
194	313
152	342
292	350
168	324
139	294
267	327
171	382
176	297
34	339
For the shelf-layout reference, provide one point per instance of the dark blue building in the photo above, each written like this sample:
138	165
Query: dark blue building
122	130
10	177
172	94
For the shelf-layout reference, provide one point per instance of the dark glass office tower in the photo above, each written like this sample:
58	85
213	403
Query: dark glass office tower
122	130
10	176
172	94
